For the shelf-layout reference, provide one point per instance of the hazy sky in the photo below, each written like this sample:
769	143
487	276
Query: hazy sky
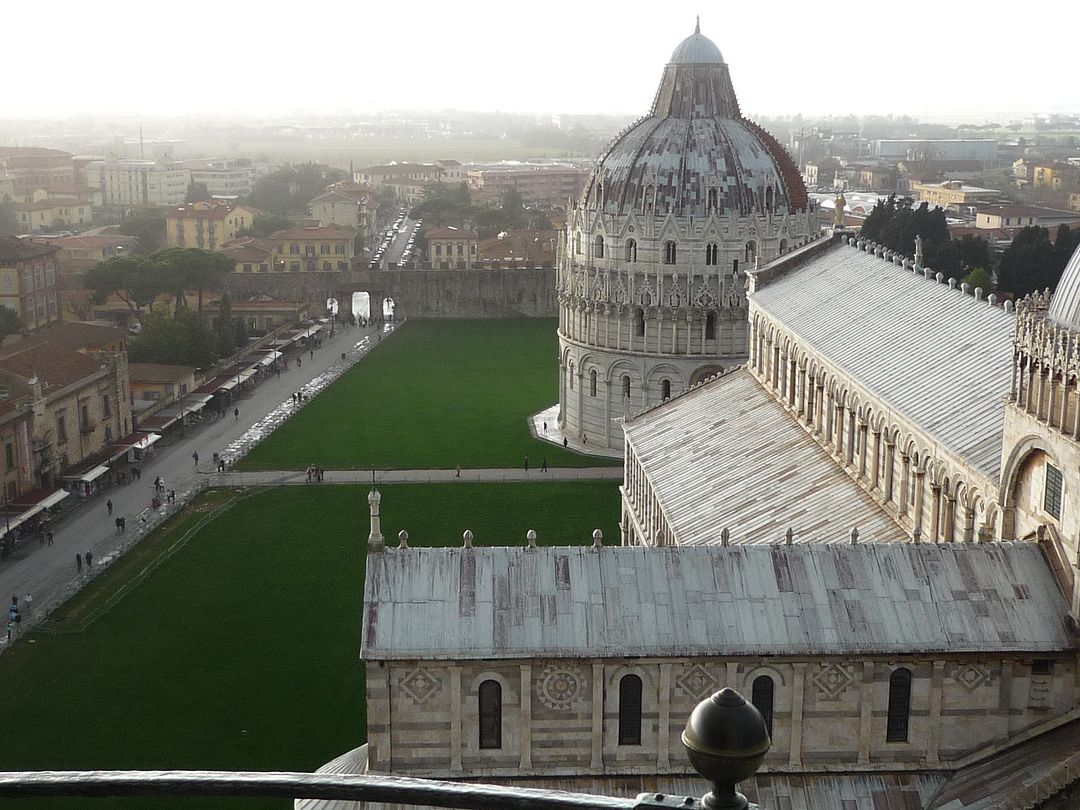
274	58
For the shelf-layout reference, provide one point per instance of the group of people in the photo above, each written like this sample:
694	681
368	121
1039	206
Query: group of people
298	397
315	473
89	558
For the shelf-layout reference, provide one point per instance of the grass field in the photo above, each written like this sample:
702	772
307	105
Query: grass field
437	394
241	651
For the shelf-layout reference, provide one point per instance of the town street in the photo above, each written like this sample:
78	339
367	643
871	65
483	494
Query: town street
48	572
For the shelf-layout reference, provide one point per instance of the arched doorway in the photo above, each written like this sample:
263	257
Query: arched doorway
361	305
388	307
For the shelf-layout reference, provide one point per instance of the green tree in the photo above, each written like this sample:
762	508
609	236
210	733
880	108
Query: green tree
240	330
185	341
197	192
184	269
291	188
1029	263
136	280
148	228
980	278
9	322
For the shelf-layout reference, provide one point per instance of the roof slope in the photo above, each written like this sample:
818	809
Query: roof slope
728	455
815	598
938	357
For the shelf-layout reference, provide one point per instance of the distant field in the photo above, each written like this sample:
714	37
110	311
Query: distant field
369	151
435	395
241	651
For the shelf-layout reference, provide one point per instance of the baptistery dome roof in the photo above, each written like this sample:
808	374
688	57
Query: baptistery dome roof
694	152
1065	305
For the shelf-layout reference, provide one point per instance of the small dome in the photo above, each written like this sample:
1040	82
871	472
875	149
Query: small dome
1065	305
697	49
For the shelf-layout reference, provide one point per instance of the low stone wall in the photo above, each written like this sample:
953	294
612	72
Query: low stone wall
417	293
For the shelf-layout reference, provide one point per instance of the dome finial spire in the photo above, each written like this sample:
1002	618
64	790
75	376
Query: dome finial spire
697	24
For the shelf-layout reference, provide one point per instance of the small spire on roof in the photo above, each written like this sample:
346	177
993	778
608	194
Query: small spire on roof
697	24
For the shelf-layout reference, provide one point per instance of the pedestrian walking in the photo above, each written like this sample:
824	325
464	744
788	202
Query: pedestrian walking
543	465
565	441
89	560
123	525
117	525
299	361
312	354
195	456
526	463
28	602
108	505
458	473
236	414
49	537
78	562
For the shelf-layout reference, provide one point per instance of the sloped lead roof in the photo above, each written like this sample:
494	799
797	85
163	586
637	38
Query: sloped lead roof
817	598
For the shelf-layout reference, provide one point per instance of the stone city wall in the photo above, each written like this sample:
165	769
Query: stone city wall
416	293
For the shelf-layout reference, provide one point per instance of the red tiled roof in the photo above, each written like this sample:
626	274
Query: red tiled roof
55	365
450	233
14	249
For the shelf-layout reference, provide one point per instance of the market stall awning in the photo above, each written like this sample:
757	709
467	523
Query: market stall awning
229	384
244	376
133	441
158	421
269	359
26	506
90	475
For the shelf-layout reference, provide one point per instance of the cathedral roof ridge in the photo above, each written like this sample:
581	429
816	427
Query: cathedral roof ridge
687	391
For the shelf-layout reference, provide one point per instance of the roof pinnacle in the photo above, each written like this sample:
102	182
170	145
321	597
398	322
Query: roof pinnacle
697	24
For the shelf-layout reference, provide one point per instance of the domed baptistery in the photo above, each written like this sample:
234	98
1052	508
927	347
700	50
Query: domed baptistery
652	264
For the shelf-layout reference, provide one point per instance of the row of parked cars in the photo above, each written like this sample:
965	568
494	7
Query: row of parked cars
387	238
410	245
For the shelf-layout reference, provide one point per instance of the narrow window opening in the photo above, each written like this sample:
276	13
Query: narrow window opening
490	715
626	386
762	697
592	382
665	389
1053	490
710	326
899	706
630	710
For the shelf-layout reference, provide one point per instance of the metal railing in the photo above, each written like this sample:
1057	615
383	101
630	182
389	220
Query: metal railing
725	739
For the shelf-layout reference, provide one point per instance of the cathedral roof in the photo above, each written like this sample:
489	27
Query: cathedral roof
929	353
801	599
695	140
727	455
1065	305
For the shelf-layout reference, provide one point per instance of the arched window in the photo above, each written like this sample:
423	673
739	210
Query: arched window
592	382
665	389
783	245
710	326
598	247
626	386
490	715
735	267
761	696
712	254
670	252
631	250
570	375
630	710
639	323
751	251
899	705
712	200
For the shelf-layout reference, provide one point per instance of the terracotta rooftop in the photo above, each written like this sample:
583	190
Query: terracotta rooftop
450	233
158	372
13	249
56	365
206	210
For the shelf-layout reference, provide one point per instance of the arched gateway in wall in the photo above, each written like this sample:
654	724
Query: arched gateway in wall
653	260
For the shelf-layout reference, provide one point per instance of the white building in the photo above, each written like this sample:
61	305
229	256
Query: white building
653	260
137	183
224	177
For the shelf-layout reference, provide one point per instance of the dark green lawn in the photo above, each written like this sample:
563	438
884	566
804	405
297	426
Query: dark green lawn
437	394
241	652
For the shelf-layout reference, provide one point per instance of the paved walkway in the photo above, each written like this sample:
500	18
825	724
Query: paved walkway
290	477
49	572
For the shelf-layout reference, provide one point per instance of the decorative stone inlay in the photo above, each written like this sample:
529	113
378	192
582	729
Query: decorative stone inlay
972	676
833	680
560	688
420	685
696	682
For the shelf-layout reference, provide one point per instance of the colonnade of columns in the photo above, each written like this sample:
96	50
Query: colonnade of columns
1051	396
867	451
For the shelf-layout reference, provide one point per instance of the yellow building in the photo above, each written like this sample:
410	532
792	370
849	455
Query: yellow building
952	194
319	248
451	248
207	224
28	281
45	212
